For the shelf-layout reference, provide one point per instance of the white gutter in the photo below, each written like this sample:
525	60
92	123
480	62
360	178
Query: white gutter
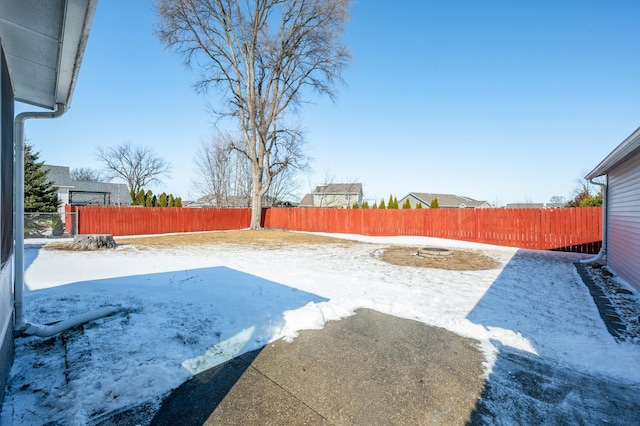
603	249
21	326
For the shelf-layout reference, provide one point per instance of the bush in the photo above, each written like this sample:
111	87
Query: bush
57	227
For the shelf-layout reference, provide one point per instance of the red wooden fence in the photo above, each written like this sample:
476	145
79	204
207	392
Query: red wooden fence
120	221
567	229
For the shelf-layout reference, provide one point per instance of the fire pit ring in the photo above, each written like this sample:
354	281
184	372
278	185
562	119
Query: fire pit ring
434	251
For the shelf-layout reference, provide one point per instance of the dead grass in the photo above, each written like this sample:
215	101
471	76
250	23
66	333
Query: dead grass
266	238
457	260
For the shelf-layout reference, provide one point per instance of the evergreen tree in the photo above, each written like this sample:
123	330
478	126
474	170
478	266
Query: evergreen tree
381	205
434	204
355	205
140	198
406	204
40	194
148	199
418	205
390	202
171	201
395	202
163	201
177	202
365	205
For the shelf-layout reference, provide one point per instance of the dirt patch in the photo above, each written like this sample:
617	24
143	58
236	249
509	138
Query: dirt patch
267	238
450	259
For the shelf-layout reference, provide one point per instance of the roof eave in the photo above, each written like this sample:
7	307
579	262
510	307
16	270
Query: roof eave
629	146
44	44
74	42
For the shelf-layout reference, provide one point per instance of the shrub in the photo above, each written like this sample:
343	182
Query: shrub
57	227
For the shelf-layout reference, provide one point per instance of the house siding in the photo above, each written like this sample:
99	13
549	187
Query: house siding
7	225
623	220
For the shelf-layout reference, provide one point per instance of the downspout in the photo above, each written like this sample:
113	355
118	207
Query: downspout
603	249
21	326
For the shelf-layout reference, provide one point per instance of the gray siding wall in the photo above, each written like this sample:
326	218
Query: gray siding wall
6	324
6	224
623	221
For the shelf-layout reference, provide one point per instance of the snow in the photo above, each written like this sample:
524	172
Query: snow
189	308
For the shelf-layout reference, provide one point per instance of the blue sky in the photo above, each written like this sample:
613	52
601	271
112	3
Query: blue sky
497	100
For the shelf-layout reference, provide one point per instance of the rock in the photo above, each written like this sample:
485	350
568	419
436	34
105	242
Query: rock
93	242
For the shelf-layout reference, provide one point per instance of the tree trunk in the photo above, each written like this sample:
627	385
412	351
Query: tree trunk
93	241
256	203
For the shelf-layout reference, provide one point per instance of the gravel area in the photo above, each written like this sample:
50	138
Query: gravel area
622	298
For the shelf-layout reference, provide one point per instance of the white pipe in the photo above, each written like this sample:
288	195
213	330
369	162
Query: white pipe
18	142
41	330
603	249
18	284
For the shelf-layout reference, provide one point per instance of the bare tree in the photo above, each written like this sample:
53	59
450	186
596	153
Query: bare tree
221	172
137	165
262	55
87	174
212	167
558	199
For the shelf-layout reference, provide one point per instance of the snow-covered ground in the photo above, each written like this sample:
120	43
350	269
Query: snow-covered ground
189	308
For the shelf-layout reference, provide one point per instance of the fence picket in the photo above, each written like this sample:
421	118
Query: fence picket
568	229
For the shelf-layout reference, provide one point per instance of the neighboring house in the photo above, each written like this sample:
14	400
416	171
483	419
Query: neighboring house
535	205
446	201
340	195
621	203
80	193
41	48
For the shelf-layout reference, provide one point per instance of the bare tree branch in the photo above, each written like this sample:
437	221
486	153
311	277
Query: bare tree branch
87	174
137	165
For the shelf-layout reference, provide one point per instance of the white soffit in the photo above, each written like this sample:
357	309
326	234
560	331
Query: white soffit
44	41
628	147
